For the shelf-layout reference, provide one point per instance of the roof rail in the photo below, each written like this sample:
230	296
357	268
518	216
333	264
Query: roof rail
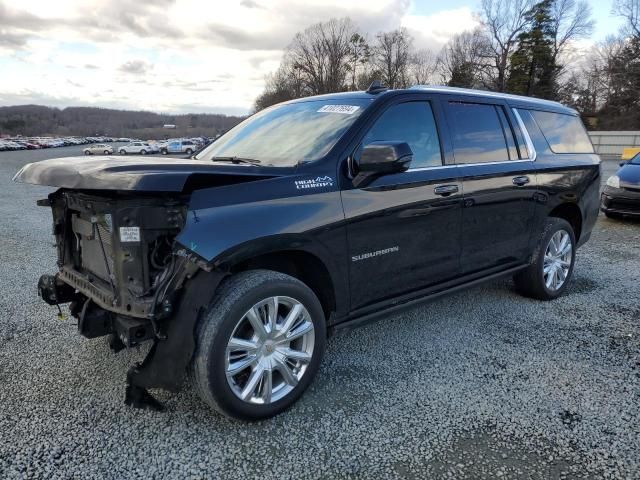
485	93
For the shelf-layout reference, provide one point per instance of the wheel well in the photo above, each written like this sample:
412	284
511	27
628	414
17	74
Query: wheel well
304	266
572	214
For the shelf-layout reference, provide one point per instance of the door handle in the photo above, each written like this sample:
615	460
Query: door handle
445	190
520	181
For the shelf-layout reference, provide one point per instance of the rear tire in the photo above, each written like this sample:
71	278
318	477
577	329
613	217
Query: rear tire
188	151
278	369
123	152
106	152
87	152
143	152
548	275
613	216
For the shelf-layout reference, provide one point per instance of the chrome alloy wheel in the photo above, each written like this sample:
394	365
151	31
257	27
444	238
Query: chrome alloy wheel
269	350
557	260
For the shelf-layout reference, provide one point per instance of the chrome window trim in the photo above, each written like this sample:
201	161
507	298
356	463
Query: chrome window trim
477	164
435	167
527	139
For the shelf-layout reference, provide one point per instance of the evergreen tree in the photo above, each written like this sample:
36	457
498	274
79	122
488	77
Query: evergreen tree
533	66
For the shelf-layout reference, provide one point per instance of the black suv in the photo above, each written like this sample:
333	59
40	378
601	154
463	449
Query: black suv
310	216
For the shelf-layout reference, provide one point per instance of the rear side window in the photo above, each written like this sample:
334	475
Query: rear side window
478	134
564	133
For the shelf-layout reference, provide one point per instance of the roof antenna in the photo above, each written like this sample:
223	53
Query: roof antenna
376	87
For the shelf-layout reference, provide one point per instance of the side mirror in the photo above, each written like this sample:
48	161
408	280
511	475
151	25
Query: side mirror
382	158
622	164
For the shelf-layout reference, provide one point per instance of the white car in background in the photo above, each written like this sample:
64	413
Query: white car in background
139	148
98	149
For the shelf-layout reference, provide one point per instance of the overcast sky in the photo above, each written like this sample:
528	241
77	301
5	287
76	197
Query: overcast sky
189	55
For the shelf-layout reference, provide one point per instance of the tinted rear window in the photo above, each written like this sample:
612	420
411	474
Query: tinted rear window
478	136
564	133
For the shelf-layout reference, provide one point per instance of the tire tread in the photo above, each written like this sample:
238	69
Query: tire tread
227	295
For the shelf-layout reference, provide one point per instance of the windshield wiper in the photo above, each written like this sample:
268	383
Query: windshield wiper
251	161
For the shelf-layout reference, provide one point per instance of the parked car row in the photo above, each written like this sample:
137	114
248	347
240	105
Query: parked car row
32	143
136	147
100	144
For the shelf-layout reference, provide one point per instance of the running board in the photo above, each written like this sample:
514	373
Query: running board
360	320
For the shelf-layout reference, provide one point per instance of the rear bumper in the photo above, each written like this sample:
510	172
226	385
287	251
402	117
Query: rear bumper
620	201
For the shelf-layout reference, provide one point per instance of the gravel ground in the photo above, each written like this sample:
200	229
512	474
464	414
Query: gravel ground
482	384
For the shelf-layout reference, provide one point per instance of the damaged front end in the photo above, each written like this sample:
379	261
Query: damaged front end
124	275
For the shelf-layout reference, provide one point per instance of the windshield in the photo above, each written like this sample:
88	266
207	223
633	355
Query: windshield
286	135
636	159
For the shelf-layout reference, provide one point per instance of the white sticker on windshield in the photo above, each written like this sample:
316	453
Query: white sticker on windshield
346	109
129	234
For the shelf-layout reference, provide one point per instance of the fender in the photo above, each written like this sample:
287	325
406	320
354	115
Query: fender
226	225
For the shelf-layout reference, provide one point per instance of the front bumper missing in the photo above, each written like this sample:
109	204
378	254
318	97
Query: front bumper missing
166	363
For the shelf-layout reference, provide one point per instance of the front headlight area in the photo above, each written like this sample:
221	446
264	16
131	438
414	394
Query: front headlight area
613	181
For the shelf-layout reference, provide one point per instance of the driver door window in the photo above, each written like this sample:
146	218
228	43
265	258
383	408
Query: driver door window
413	123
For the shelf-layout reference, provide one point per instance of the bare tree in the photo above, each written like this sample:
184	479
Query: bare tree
321	54
630	10
286	83
462	61
359	56
502	22
571	20
422	67
391	57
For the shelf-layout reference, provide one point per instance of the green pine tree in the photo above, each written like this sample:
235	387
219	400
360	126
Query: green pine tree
533	67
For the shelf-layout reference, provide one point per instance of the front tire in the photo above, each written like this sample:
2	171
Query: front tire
143	152
259	345
164	151
553	260
613	216
107	152
188	151
87	152
123	152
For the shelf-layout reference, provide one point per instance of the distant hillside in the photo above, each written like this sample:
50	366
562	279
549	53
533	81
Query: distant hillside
35	120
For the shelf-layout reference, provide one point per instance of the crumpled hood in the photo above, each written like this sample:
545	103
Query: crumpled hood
142	173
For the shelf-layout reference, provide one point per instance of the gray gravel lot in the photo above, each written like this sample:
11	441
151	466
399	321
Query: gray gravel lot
482	384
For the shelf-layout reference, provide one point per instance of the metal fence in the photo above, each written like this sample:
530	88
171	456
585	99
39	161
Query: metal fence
611	144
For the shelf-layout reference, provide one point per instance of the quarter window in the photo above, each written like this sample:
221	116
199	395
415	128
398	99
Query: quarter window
564	133
478	134
414	123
